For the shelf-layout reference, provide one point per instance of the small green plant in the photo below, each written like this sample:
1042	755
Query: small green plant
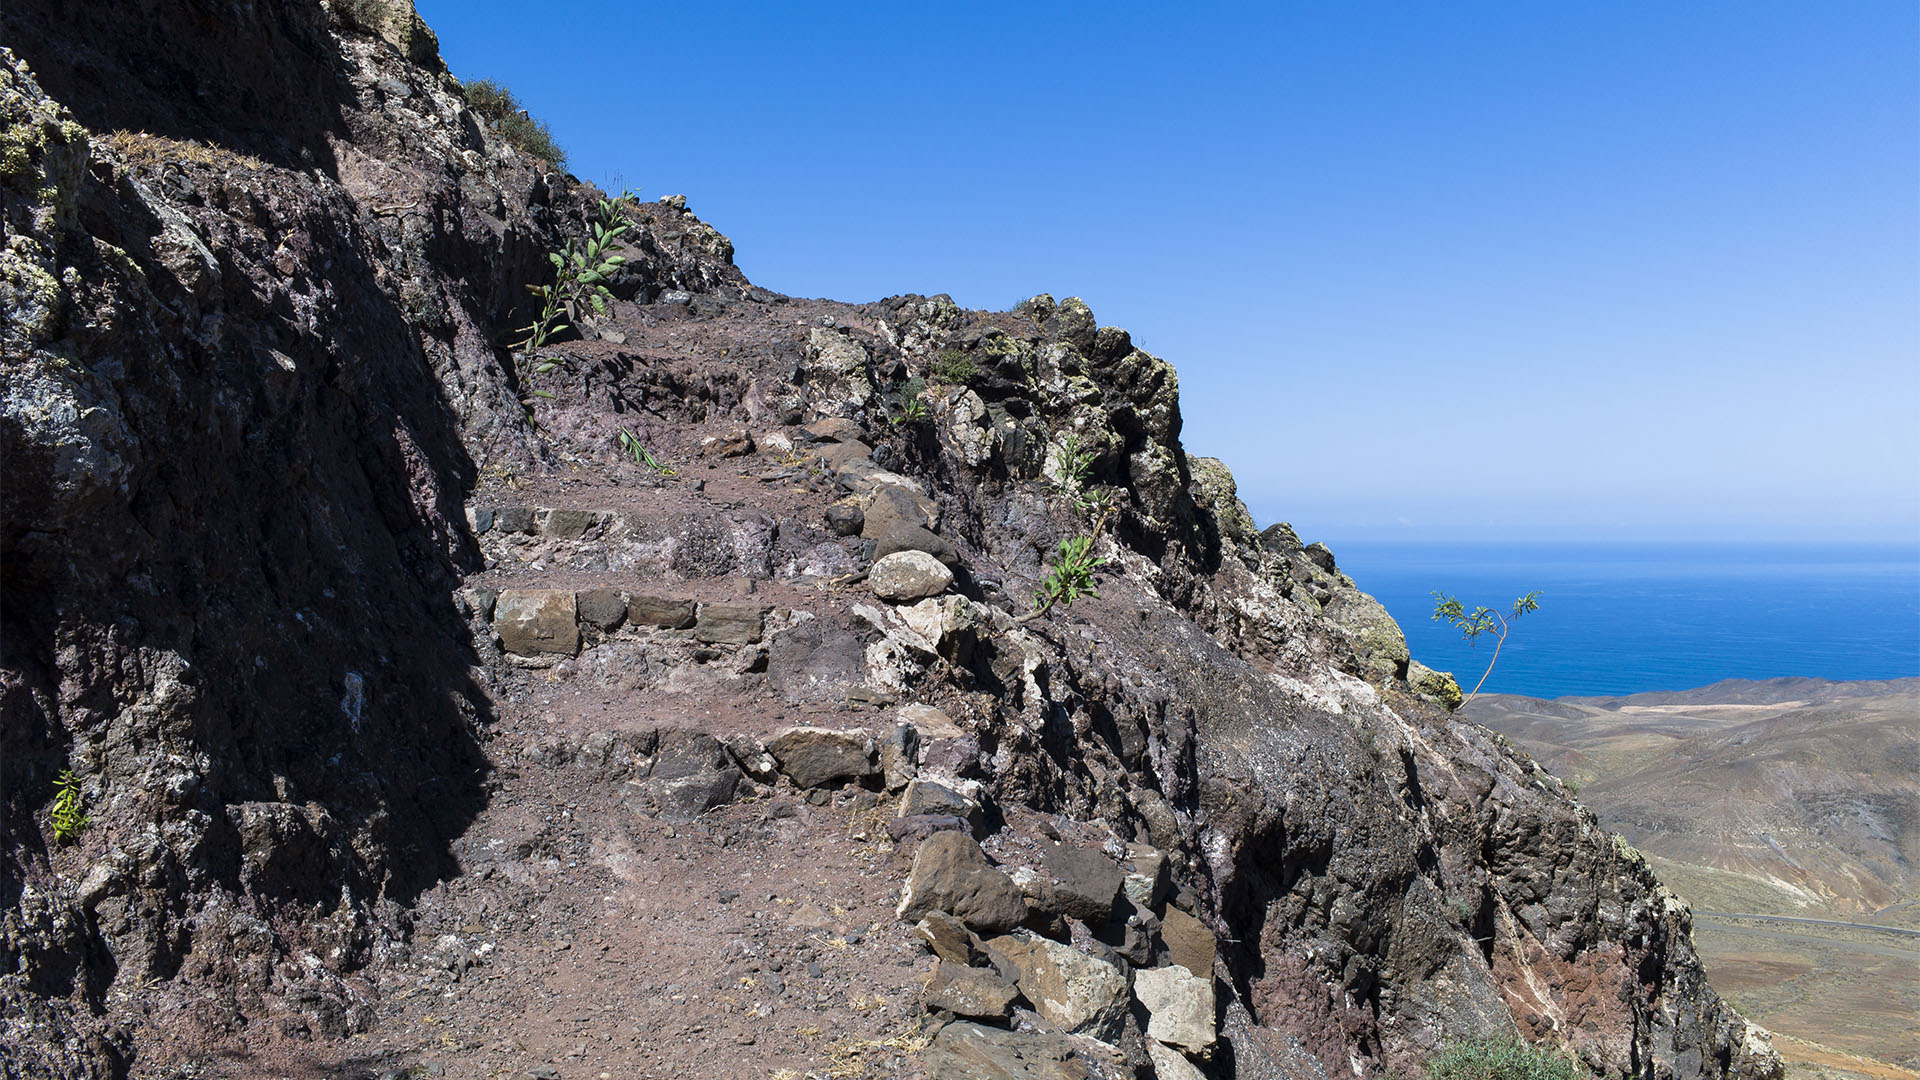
1071	577
580	273
1075	464
631	445
69	814
913	408
955	368
1483	622
497	105
1501	1059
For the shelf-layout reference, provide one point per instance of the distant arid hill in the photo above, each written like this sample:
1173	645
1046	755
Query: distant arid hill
1783	796
1795	799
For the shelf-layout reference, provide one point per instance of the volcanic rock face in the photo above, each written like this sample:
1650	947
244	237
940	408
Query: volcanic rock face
281	550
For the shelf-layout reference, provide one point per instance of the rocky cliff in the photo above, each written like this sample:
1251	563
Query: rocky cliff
381	658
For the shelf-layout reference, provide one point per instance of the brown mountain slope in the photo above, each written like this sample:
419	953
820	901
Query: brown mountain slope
1795	799
1788	797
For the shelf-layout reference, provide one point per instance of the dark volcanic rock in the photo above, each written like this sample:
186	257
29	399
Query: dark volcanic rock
951	874
660	611
1086	883
604	609
817	757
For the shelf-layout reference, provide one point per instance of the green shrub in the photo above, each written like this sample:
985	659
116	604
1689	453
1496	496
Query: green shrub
913	409
955	368
1501	1059
69	814
500	108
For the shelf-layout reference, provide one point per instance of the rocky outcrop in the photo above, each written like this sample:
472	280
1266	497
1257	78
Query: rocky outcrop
273	572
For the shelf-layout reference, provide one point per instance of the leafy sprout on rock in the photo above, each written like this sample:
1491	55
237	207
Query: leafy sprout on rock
1483	622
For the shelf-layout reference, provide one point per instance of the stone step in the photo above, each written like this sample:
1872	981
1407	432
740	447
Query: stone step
558	622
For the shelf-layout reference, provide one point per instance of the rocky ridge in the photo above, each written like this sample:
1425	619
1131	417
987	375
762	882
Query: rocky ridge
388	704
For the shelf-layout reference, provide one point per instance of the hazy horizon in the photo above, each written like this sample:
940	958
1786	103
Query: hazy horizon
1641	271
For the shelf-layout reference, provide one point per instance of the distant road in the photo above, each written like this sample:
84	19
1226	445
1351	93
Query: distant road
1811	922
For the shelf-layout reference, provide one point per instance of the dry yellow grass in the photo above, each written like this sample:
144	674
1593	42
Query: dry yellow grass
149	152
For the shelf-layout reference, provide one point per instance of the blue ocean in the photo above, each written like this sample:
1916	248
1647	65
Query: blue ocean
1623	618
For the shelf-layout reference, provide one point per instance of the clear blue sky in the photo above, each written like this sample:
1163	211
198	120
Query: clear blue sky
1463	270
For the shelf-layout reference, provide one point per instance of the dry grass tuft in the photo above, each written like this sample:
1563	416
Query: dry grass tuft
148	152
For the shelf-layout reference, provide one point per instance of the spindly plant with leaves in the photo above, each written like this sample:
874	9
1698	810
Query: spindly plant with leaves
1071	575
913	407
1483	622
69	814
1073	463
578	290
631	445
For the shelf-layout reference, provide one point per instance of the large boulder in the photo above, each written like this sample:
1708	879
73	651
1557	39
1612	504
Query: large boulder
902	537
909	575
951	874
1086	883
1179	1007
1189	943
1075	992
928	798
692	774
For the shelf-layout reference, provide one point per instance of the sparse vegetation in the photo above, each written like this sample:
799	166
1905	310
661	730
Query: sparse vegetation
580	274
1071	577
502	111
631	445
1501	1059
144	151
913	408
69	814
955	368
1483	622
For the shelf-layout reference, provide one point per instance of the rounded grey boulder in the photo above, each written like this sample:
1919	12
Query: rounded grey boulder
909	575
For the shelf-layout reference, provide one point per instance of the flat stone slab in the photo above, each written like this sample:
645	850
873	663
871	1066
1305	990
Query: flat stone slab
1179	1007
536	622
729	624
660	611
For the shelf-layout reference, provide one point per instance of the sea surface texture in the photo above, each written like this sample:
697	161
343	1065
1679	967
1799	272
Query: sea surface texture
1623	618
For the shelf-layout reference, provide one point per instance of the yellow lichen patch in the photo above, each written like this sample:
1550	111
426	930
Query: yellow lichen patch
145	151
